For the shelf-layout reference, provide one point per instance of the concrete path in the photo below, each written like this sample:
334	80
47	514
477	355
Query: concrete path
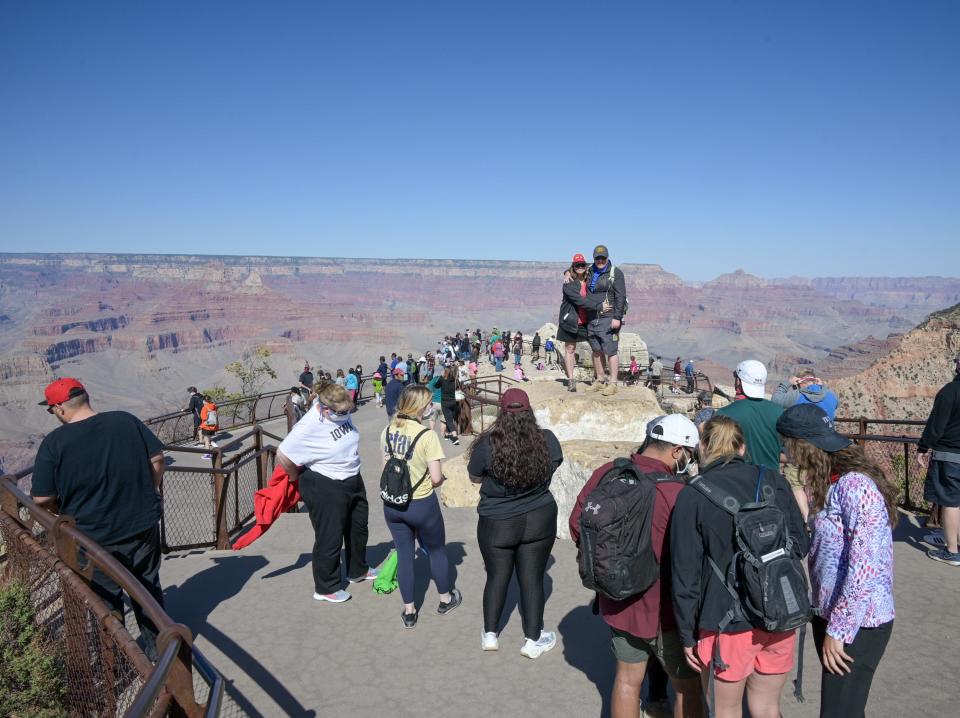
285	654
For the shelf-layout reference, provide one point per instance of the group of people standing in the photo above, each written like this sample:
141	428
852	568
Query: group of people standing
691	621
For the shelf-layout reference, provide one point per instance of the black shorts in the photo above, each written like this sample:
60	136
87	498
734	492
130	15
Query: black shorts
942	486
208	432
567	338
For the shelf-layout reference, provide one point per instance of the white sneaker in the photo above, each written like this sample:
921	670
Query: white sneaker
214	444
206	456
338	597
489	641
535	649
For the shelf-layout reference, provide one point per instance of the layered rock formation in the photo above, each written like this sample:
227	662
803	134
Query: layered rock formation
902	383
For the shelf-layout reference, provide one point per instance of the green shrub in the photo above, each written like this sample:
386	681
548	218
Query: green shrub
32	679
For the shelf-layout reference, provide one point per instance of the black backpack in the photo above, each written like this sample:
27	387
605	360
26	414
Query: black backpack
766	582
396	488
615	554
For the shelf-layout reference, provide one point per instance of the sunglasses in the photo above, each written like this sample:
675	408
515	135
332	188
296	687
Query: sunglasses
336	413
50	408
580	265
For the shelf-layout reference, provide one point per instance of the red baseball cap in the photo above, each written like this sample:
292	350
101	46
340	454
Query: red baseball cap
579	258
60	390
514	401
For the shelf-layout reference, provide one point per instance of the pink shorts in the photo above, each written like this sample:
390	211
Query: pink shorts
749	651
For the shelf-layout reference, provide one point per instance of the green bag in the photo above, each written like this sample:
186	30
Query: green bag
386	580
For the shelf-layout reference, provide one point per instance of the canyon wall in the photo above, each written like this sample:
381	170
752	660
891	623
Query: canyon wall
140	328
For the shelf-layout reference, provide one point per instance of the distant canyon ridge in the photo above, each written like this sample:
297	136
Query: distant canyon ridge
138	329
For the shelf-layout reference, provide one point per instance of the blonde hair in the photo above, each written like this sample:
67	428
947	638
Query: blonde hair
334	397
412	402
720	438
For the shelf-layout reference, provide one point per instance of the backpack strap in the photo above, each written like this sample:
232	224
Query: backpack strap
409	455
413	445
717	496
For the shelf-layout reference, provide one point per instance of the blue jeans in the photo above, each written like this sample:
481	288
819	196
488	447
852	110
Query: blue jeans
499	363
421	519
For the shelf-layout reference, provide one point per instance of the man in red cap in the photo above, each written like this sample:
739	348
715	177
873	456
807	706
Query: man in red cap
105	470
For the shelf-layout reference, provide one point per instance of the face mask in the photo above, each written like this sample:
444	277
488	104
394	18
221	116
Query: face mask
688	461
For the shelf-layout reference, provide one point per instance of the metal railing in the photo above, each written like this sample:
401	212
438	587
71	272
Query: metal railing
206	507
895	452
105	670
177	427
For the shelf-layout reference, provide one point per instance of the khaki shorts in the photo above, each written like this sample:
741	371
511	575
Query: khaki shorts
665	648
791	473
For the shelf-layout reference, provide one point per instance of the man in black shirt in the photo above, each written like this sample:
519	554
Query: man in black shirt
105	470
306	382
194	407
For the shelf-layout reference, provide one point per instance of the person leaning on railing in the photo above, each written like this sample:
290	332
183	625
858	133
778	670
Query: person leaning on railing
105	470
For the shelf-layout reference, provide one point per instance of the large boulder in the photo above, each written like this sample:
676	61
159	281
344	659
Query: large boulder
457	490
588	415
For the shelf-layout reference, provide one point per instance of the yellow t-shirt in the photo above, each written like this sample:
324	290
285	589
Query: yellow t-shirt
427	449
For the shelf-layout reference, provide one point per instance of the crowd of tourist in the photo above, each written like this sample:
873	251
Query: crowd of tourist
711	548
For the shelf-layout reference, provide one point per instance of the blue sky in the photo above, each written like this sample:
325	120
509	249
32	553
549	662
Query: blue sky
813	138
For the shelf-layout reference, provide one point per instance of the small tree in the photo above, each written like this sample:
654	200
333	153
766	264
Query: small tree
252	370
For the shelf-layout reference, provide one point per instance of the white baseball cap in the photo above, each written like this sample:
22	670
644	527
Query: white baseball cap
674	429
753	377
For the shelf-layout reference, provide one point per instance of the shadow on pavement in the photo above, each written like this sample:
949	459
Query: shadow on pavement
586	647
908	533
421	569
194	600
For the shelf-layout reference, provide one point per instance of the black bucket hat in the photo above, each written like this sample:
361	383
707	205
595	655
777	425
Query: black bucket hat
811	423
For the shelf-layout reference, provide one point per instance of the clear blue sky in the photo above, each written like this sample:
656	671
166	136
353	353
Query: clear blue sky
815	138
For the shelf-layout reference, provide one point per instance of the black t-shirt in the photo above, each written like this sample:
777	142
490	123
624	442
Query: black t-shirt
195	405
306	378
99	468
448	391
499	502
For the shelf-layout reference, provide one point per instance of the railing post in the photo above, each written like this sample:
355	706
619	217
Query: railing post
220	482
258	447
863	425
907	498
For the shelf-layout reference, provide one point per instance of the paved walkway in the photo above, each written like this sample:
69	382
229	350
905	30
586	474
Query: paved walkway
285	654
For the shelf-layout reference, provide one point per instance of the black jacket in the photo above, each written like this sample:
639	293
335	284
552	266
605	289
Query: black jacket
699	528
569	320
611	285
942	432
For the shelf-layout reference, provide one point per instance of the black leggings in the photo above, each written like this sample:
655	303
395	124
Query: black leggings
846	696
523	543
450	417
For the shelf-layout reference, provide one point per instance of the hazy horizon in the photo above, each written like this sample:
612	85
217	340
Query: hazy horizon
662	265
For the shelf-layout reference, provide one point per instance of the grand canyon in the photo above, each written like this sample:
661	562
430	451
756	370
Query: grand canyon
138	329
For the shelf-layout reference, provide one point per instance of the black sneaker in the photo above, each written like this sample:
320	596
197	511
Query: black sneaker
455	600
455	441
410	619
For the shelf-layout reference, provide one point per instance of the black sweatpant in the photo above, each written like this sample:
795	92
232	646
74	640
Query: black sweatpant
140	555
338	512
450	413
846	696
522	543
